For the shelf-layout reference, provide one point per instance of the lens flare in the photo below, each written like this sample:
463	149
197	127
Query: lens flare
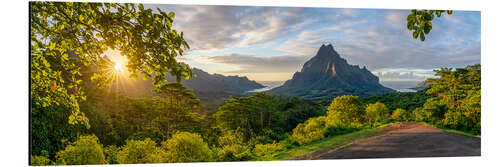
118	66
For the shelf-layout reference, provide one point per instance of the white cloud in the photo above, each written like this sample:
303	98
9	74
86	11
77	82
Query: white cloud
255	64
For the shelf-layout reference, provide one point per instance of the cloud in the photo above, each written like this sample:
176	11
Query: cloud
404	74
374	38
255	64
209	28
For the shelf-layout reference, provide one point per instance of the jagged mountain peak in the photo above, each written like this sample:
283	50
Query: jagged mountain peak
326	61
327	75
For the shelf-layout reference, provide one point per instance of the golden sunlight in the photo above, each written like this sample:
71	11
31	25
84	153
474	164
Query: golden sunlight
118	66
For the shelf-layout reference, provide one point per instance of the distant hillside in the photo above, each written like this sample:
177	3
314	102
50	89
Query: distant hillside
212	89
420	86
205	82
327	75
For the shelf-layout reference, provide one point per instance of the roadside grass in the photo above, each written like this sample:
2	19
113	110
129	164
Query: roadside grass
305	151
454	130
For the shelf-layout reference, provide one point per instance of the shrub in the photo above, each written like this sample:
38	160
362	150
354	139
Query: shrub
375	112
111	154
346	108
401	115
265	151
186	147
40	161
235	152
141	151
232	147
313	129
453	119
336	127
85	151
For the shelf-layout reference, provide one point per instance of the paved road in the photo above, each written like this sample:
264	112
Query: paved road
407	140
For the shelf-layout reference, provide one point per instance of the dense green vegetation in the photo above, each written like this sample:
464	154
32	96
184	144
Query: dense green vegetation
77	119
404	100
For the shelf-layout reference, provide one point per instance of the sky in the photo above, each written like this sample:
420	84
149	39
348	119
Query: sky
272	43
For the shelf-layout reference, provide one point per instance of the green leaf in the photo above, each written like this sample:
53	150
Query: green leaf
52	46
171	15
415	34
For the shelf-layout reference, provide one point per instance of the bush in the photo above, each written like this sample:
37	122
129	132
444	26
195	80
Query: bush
346	108
140	151
401	115
232	147
376	112
313	129
336	127
453	119
40	161
235	152
187	147
85	151
265	151
111	154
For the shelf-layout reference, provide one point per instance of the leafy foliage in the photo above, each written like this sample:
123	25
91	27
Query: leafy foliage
137	151
458	98
232	147
346	108
50	131
67	38
40	161
419	21
111	154
85	151
187	147
376	112
313	129
265	151
405	100
260	112
401	115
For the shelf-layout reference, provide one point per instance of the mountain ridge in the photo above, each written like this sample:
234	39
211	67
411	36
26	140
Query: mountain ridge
327	75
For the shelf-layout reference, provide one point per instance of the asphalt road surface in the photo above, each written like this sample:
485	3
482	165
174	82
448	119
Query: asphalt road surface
406	140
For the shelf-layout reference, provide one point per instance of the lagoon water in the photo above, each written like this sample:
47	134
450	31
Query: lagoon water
400	86
268	86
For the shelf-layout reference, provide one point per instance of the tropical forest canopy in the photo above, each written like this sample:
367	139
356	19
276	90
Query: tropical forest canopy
77	119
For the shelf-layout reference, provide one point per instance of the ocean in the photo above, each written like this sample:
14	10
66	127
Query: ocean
400	86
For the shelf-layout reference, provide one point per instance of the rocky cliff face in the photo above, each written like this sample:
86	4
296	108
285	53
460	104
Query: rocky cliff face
216	83
328	75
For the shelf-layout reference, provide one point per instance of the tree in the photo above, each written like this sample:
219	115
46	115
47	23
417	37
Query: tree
67	37
346	108
376	112
419	21
311	130
252	114
85	151
458	98
232	147
141	151
401	115
186	147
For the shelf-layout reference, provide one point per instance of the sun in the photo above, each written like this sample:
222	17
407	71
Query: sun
118	66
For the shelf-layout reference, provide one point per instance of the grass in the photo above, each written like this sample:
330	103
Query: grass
305	151
455	131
